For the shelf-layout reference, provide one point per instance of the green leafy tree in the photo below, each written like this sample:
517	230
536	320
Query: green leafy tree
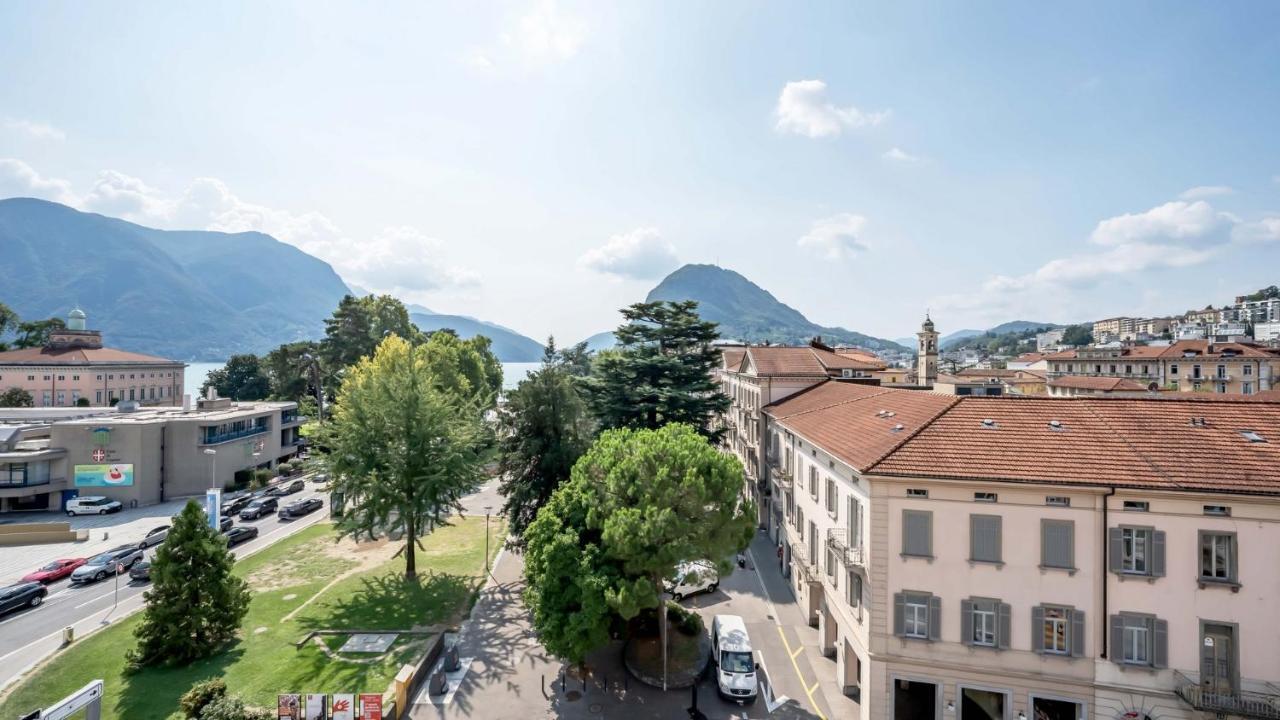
466	368
638	503
402	447
16	397
288	370
8	321
242	378
195	604
544	428
1077	335
661	371
36	333
358	325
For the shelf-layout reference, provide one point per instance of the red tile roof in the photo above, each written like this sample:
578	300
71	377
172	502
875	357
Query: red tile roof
732	358
1101	384
78	356
778	360
1177	350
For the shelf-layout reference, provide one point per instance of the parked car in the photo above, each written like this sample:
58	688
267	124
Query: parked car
224	523
154	537
141	571
92	505
55	570
733	659
113	561
693	578
241	533
259	507
300	508
234	505
27	594
289	488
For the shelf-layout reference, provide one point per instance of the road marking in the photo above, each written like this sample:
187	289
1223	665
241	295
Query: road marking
808	691
755	566
797	652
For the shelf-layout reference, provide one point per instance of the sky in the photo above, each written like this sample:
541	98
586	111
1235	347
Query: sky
540	164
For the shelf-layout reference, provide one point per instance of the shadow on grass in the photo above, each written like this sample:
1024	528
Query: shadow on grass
153	692
392	602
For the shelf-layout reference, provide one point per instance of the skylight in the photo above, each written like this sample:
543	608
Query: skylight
1252	436
989	423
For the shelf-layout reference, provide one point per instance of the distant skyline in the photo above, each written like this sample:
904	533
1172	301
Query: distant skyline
540	164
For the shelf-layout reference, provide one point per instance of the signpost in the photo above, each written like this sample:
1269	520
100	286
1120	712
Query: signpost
213	506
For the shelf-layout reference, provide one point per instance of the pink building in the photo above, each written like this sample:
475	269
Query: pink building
75	367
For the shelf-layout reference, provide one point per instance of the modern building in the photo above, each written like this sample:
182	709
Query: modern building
74	368
138	456
1256	311
1050	340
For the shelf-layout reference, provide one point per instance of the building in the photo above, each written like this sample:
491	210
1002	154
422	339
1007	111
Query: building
1050	340
927	353
1185	365
1077	385
1012	381
975	382
1265	332
74	368
1255	311
1034	361
971	558
1118	328
139	456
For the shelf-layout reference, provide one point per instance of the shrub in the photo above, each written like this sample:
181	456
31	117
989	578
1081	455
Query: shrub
231	707
687	622
201	694
261	478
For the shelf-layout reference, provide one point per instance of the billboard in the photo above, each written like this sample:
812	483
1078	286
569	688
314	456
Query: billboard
344	707
213	506
370	707
104	475
289	707
317	707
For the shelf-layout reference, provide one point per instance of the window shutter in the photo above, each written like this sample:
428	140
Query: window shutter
1057	543
1037	628
935	617
1077	633
1160	643
917	532
1115	554
1117	639
966	621
899	614
1235	559
1005	614
984	537
1157	553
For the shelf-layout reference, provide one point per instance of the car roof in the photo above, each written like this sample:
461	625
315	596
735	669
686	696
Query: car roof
90	497
733	633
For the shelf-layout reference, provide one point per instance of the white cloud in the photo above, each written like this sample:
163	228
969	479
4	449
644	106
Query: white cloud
899	155
124	196
838	237
1178	221
33	130
548	33
1205	191
1263	231
400	260
639	254
18	179
803	109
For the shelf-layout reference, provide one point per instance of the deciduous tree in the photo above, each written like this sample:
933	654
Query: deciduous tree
242	378
36	333
16	397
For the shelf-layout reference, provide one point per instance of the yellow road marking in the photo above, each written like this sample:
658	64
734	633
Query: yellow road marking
808	690
797	652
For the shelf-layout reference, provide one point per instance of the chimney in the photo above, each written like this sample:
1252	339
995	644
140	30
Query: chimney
211	393
186	402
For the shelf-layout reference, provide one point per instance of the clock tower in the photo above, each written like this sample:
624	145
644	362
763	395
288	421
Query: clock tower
927	353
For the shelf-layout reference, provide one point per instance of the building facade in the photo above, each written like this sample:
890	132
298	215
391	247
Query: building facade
1184	366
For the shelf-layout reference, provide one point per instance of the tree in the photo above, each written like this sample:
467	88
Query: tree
16	397
8	321
288	370
544	428
241	378
466	368
638	503
1077	335
401	447
661	372
195	604
358	325
36	333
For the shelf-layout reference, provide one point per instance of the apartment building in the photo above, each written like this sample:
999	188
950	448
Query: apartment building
1185	365
998	558
1256	311
1118	328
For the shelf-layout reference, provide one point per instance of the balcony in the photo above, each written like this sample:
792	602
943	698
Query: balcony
783	477
217	438
1241	703
837	540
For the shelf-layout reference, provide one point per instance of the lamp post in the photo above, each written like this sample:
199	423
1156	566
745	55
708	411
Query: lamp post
213	467
487	510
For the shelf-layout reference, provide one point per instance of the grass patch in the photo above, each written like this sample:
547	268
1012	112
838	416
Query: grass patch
260	665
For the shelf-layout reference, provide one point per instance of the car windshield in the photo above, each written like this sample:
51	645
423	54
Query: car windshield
255	503
736	662
51	566
102	559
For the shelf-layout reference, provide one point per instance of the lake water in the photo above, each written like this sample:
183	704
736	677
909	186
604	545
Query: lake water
512	374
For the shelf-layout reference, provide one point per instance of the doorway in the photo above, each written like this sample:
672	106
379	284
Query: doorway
1218	658
1050	709
914	700
977	704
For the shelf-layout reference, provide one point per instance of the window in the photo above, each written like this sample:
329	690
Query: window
854	522
1111	369
917	493
984	497
1173	371
1128	369
1140	640
917	615
1246	370
813	544
832	497
813	481
1057	544
917	533
1136	551
1137	506
98	398
855	590
1057	630
984	622
1219	510
984	538
1246	388
1218	556
1058	501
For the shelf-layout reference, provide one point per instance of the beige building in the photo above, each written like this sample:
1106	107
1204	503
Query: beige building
1186	366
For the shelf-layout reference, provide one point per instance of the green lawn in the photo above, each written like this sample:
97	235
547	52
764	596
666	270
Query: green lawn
262	664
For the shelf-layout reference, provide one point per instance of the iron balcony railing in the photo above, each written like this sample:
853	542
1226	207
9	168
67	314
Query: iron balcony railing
1241	703
215	438
838	540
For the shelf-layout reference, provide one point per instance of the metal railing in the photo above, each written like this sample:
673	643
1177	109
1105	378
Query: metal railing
838	540
1241	703
214	439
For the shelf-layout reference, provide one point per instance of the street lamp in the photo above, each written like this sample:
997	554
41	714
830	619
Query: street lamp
487	510
213	467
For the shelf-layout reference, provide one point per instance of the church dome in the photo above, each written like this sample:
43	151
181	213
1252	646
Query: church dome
928	324
75	319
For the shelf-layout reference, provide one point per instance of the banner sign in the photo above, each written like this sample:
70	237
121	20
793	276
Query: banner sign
290	707
213	506
344	707
104	475
370	707
317	707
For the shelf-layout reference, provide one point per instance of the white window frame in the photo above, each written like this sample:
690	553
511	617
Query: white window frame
1136	640
985	625
1064	621
915	614
1129	543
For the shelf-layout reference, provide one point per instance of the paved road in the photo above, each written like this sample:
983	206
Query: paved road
28	636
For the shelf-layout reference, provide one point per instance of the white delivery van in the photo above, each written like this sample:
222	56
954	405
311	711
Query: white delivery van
691	578
733	659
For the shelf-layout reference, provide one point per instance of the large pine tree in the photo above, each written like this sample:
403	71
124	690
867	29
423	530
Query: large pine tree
195	604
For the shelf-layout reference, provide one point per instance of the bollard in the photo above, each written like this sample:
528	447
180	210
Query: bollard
68	635
105	534
561	680
451	662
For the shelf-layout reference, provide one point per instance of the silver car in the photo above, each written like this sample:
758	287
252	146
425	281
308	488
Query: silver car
155	537
112	562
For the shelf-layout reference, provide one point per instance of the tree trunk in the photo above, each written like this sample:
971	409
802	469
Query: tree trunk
662	630
410	561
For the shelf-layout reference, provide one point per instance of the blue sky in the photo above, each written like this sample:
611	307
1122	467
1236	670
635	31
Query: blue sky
541	164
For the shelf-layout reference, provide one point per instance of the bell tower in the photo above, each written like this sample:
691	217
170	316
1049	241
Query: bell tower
927	353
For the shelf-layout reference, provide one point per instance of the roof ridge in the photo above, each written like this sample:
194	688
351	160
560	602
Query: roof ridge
954	401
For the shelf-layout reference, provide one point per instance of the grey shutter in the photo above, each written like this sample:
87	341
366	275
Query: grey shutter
1115	554
1157	553
1160	643
935	617
917	532
1077	633
899	614
966	621
1057	543
984	537
1005	628
1117	639
1235	558
1037	628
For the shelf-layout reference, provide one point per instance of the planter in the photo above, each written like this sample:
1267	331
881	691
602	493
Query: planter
687	658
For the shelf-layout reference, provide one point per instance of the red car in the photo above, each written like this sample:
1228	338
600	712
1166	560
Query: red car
55	570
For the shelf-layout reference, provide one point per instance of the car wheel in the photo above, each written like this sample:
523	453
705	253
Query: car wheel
677	596
70	514
35	601
713	587
101	574
102	512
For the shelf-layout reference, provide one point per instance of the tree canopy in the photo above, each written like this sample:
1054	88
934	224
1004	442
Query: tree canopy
16	397
359	324
242	378
1077	335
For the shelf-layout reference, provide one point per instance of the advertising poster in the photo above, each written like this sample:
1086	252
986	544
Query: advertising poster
213	506
344	707
317	707
104	475
290	707
370	707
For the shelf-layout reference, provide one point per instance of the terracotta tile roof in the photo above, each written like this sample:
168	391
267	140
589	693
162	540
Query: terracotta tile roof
1032	356
1177	350
731	358
1121	442
1101	384
78	356
850	421
776	360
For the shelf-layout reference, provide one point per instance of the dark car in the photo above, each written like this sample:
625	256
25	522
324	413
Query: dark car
259	507
241	533
111	562
22	595
155	537
224	524
288	488
141	571
234	505
299	508
55	570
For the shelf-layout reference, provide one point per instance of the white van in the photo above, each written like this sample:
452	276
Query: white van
692	578
734	662
92	505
